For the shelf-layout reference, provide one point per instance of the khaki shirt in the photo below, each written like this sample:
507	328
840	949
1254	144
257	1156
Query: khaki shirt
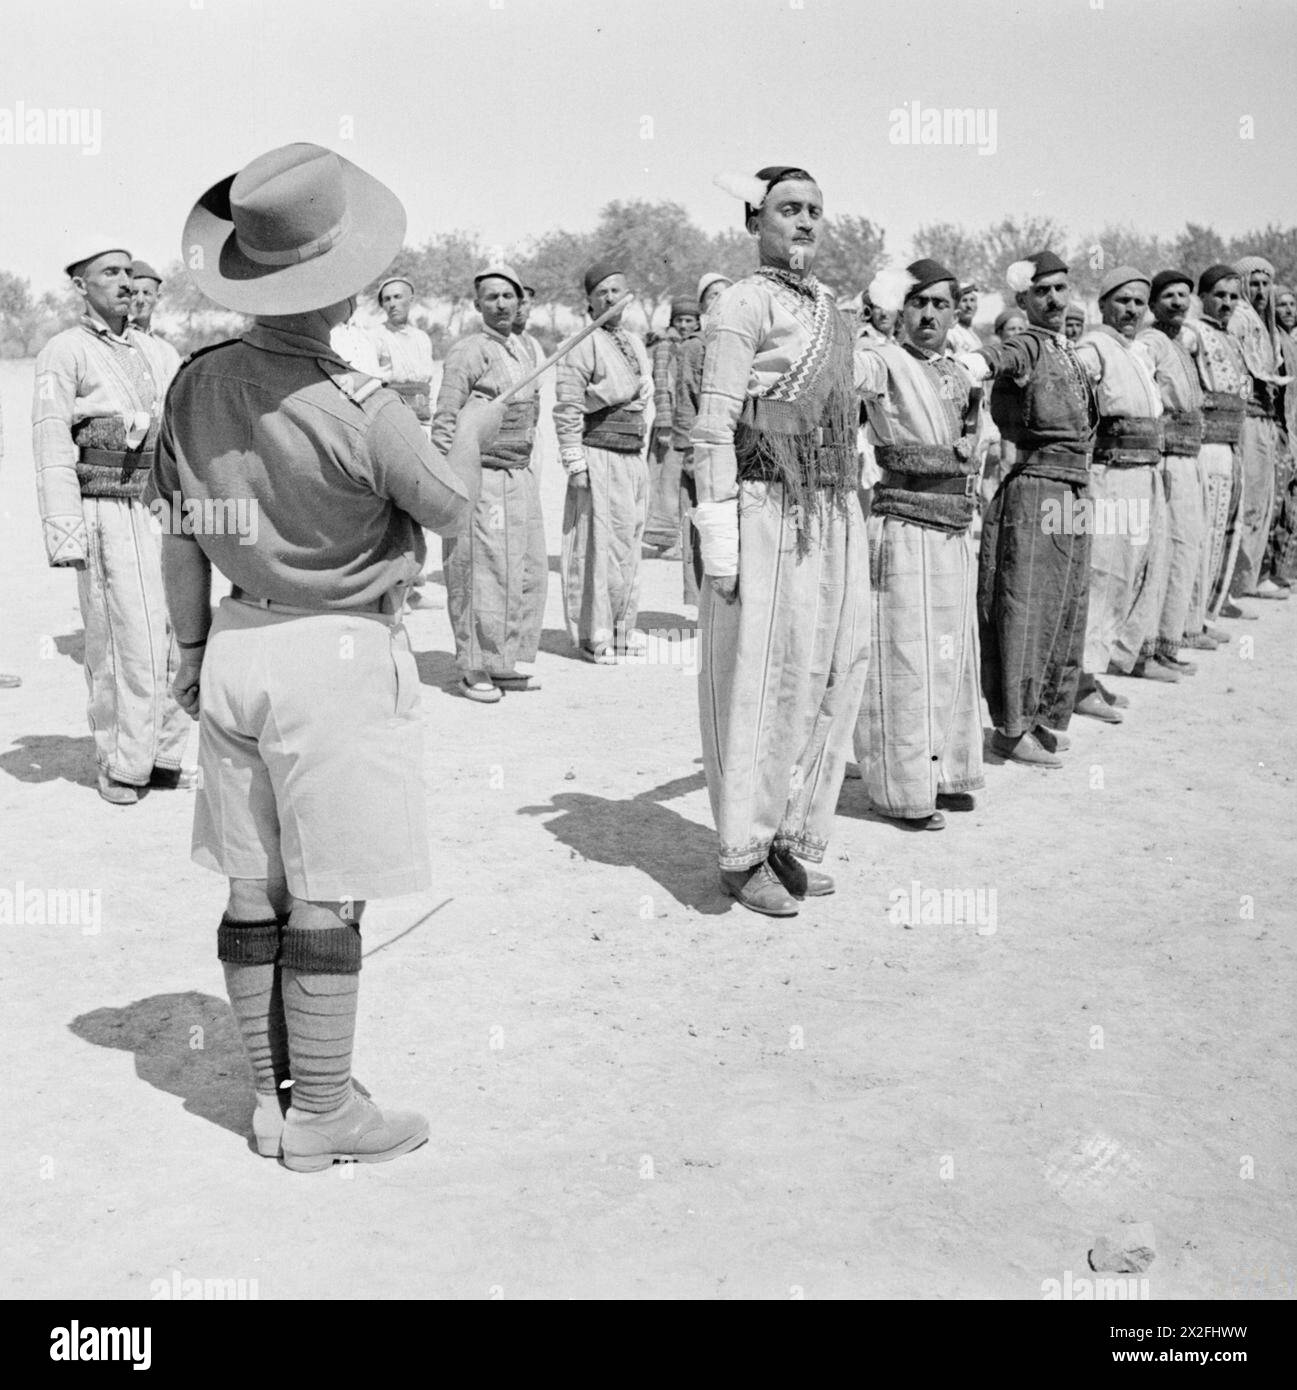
294	490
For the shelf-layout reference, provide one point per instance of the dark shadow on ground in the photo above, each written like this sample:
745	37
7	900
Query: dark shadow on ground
187	1045
51	758
72	644
437	669
640	833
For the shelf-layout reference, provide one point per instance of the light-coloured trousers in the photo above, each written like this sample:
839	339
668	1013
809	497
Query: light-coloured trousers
1216	469
782	677
130	658
663	523
603	528
919	732
497	574
1125	504
1185	526
1259	448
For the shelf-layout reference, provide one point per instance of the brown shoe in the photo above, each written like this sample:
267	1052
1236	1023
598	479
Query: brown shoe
1025	748
1153	670
759	890
801	882
1094	706
117	793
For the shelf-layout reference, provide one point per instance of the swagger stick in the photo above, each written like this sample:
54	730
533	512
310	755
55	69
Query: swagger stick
566	346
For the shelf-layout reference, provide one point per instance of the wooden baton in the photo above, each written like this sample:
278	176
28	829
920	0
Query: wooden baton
565	347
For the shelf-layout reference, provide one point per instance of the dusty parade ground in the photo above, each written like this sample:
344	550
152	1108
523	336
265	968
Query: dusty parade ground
635	1088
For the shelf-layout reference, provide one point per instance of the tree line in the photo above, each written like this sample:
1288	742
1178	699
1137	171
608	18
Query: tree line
664	252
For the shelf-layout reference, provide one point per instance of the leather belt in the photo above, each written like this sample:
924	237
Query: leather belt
115	458
964	485
379	606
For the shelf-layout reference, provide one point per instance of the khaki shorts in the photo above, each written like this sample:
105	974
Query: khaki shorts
310	753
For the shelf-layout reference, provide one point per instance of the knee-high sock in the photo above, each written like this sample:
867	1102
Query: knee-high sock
248	952
321	983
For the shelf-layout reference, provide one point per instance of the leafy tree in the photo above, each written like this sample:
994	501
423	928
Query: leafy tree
1196	248
959	250
851	249
663	252
1277	244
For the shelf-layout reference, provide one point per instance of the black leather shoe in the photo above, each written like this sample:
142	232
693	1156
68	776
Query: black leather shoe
801	882
173	778
956	801
759	890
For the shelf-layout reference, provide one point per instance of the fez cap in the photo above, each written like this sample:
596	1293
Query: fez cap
1214	274
927	272
599	272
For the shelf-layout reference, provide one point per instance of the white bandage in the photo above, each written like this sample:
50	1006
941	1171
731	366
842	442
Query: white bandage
975	365
717	524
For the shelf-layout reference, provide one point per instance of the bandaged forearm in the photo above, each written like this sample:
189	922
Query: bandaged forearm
717	524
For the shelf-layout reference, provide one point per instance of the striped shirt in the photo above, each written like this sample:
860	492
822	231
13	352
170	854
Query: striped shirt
756	331
404	354
484	364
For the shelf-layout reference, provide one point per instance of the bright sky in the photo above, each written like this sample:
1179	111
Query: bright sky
511	117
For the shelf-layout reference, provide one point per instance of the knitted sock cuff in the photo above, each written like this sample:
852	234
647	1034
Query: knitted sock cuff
321	951
1166	647
247	943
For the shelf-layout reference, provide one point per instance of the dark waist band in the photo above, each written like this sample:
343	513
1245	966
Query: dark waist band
1128	440
1182	432
965	485
112	473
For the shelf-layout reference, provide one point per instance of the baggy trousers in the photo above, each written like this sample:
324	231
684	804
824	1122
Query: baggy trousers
1216	469
130	659
782	676
1120	514
1258	448
663	524
603	528
1134	637
497	574
919	732
1185	525
1033	586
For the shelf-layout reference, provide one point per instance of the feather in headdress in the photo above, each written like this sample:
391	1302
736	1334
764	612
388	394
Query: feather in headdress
747	188
1020	275
887	290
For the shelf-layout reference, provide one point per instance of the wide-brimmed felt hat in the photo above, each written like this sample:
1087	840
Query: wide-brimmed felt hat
298	228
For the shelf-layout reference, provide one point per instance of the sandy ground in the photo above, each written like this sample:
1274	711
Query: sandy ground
635	1089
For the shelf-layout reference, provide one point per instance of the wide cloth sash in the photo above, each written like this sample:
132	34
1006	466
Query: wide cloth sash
1128	440
511	448
1222	417
615	428
1182	432
416	395
105	466
928	484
